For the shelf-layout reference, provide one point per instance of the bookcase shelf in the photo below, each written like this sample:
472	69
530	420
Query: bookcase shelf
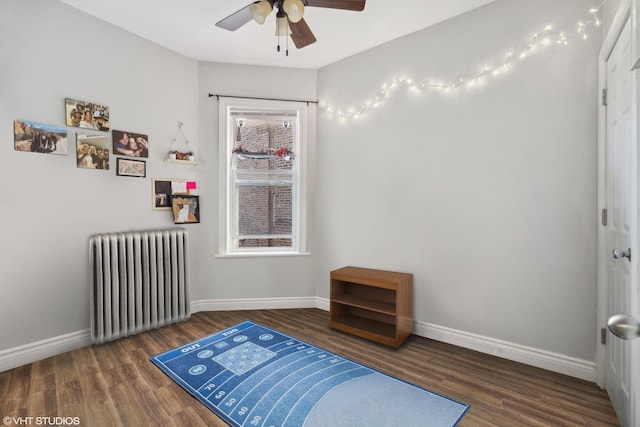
372	304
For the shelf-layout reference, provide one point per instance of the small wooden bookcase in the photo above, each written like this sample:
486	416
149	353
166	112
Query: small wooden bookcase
372	304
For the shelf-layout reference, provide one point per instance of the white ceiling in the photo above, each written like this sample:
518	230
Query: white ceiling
188	27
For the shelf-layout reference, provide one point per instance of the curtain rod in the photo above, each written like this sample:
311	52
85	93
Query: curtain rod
218	96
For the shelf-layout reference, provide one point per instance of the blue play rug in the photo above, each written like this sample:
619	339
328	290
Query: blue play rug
251	375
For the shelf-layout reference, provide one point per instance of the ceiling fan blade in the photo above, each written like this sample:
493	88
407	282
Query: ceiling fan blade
301	34
357	5
236	19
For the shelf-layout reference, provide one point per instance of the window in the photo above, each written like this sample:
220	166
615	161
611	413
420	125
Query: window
262	189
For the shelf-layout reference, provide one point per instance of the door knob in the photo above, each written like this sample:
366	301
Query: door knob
619	253
624	326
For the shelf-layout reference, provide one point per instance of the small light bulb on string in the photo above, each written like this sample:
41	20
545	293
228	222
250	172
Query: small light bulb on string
543	38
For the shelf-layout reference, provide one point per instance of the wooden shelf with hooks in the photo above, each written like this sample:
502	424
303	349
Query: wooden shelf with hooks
184	162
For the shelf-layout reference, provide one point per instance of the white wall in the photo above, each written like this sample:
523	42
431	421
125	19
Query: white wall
241	278
48	52
609	12
488	194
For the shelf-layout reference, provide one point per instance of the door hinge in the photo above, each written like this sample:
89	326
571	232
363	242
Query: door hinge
604	216
604	97
603	336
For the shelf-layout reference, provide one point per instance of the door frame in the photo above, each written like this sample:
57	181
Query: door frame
622	15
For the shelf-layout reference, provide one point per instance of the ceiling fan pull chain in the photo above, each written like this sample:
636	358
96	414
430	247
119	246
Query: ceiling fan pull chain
278	34
287	44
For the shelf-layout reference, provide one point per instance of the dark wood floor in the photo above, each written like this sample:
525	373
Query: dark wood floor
115	384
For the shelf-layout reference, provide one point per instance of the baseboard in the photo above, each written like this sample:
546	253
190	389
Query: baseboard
253	304
32	352
583	369
322	303
554	362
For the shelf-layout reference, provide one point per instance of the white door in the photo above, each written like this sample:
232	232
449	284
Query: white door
621	179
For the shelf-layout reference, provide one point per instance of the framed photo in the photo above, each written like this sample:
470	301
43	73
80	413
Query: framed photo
128	167
86	115
38	138
92	151
130	144
163	189
186	209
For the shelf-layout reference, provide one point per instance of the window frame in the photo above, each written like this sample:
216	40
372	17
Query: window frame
228	210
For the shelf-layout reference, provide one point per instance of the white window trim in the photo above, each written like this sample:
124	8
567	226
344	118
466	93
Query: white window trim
225	243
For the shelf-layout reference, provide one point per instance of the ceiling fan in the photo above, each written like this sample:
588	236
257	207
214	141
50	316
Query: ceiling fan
289	14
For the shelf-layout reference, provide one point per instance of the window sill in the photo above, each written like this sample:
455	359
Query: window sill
262	254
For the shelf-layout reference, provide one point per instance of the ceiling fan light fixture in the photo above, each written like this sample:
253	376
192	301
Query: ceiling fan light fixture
294	10
260	10
282	26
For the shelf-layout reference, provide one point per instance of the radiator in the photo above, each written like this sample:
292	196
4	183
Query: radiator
140	281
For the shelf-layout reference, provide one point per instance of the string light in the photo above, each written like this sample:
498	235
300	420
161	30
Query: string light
544	38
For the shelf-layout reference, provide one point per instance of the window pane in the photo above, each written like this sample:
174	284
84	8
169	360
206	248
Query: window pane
265	136
264	210
261	164
263	171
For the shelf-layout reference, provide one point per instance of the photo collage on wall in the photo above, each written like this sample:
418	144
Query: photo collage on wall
93	144
175	195
96	142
